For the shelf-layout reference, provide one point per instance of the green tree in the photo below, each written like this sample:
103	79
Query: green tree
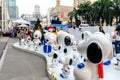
101	9
95	12
73	15
84	10
40	27
116	8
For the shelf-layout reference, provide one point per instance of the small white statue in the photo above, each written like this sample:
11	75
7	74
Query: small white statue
66	61
55	59
37	38
50	38
28	40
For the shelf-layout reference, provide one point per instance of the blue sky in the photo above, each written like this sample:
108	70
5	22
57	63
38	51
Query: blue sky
27	6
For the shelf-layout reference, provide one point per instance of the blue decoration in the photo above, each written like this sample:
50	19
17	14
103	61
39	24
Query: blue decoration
47	48
81	65
62	75
44	42
107	62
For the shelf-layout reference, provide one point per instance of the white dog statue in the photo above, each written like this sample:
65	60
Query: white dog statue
96	52
66	61
50	38
37	38
65	40
28	40
55	59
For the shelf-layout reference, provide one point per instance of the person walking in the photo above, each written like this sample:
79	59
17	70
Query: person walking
101	30
116	36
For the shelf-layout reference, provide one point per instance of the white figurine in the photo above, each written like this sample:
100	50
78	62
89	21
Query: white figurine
65	39
28	40
66	61
96	52
55	59
50	38
37	39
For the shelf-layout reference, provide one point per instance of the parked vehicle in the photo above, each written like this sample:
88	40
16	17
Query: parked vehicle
84	25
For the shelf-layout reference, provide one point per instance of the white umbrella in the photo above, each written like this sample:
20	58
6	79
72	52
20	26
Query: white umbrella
21	21
23	25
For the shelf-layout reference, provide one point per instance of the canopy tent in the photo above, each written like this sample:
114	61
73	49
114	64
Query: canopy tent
23	25
63	26
21	21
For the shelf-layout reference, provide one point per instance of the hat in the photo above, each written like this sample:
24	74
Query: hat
118	25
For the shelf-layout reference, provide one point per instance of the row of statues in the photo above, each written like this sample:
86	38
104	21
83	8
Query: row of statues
92	50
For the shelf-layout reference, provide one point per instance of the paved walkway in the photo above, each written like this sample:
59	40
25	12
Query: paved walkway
4	39
3	42
20	65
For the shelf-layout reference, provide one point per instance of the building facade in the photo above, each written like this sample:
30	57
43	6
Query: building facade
4	16
37	11
17	12
12	9
60	12
48	15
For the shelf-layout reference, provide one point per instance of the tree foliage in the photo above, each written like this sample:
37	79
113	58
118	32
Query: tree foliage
40	27
101	11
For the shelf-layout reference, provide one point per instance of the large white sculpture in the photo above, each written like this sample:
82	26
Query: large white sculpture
37	38
98	48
